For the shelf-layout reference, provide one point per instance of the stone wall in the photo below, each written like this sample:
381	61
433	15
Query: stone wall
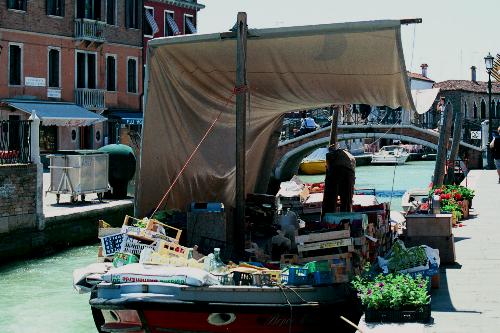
17	197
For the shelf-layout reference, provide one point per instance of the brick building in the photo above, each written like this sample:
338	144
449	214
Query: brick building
65	59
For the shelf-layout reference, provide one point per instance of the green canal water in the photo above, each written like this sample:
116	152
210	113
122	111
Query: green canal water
36	296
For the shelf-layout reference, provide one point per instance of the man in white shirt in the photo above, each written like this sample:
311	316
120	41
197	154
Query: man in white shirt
307	125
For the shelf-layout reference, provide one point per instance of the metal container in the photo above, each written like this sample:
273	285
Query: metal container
79	173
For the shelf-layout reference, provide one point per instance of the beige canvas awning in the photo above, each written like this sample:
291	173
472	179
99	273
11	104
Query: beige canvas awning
191	79
424	98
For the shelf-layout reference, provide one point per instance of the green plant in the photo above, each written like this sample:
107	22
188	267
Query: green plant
141	223
392	291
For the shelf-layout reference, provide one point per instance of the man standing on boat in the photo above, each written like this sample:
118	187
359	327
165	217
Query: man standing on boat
495	148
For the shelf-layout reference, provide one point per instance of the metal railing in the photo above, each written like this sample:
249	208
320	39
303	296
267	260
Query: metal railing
15	141
90	30
92	99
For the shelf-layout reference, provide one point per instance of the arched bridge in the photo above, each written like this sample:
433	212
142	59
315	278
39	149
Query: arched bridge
291	152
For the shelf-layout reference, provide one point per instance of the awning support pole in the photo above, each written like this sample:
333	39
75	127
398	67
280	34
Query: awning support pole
457	136
333	129
241	101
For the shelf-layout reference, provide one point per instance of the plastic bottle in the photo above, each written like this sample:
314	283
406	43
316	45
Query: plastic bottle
218	264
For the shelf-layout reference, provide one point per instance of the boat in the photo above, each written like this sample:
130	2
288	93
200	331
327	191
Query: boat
412	198
193	104
390	155
315	163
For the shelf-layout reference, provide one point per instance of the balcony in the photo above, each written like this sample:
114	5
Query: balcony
91	99
89	30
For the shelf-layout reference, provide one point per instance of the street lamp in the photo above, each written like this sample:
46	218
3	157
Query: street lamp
488	61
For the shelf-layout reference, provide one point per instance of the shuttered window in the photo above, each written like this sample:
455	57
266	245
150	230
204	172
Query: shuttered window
15	65
54	63
16	4
132	75
55	7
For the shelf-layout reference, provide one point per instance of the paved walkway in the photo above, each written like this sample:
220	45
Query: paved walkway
469	297
51	208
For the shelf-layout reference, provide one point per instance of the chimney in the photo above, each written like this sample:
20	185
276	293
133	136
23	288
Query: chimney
424	69
473	73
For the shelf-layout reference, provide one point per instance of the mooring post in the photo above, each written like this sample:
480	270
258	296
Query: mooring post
444	137
241	101
457	136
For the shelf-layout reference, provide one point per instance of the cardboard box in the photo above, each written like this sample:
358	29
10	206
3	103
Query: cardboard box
429	225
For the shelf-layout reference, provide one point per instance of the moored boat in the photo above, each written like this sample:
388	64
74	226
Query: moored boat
390	155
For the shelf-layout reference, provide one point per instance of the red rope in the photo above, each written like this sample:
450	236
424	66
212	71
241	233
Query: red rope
236	90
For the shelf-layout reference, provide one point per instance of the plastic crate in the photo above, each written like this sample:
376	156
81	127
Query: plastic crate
242	279
322	278
422	315
225	279
274	275
112	244
318	266
130	245
295	276
260	279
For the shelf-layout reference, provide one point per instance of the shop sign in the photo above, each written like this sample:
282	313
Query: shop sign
475	135
54	93
34	81
130	121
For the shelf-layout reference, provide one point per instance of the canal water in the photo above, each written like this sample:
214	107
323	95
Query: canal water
36	296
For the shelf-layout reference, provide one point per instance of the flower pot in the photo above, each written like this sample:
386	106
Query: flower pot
421	315
465	209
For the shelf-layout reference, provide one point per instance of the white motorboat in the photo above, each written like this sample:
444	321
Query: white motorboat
413	198
391	155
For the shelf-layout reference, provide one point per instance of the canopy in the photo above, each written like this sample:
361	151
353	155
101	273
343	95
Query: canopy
191	79
424	99
129	118
58	114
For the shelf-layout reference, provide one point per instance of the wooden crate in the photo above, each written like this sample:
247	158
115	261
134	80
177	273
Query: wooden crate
429	225
445	245
150	233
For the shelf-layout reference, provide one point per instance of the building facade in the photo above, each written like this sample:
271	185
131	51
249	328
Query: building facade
61	54
471	98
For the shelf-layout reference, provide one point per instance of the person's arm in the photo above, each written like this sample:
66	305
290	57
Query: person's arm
492	143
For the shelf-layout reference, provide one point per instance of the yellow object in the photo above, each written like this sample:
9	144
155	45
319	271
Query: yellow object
313	167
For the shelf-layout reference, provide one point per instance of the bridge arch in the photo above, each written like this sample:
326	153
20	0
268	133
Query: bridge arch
288	164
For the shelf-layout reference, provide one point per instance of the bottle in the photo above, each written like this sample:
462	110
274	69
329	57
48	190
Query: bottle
218	264
436	207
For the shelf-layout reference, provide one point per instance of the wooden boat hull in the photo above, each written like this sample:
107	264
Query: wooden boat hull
313	167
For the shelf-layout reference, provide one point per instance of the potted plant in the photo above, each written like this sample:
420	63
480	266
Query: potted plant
394	298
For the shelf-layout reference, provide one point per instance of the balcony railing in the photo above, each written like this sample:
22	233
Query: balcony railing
92	99
89	30
15	141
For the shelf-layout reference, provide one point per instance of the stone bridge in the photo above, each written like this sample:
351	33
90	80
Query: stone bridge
291	152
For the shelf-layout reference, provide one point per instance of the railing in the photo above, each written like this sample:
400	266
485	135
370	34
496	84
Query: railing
15	141
92	99
90	30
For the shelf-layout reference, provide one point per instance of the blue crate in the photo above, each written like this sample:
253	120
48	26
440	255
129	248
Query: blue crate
296	276
321	278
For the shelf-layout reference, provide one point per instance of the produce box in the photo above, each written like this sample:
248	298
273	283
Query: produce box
429	225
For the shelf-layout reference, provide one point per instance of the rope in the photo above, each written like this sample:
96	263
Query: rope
235	91
291	308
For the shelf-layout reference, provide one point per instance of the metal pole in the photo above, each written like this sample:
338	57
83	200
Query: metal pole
333	130
457	135
490	125
241	101
444	137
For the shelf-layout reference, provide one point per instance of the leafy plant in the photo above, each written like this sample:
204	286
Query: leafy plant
141	223
392	291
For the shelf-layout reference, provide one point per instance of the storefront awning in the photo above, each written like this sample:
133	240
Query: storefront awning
57	114
129	118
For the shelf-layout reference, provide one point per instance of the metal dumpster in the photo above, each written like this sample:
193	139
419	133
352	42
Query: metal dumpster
77	173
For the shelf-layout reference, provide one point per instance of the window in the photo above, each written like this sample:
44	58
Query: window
465	110
132	75
131	14
150	26
15	64
483	109
54	68
171	28
497	114
89	9
86	70
111	73
189	27
474	110
16	4
111	12
55	7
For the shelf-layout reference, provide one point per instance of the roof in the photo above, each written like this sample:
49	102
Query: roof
419	77
466	85
56	113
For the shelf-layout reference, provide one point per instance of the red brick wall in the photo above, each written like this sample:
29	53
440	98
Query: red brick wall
159	9
35	64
